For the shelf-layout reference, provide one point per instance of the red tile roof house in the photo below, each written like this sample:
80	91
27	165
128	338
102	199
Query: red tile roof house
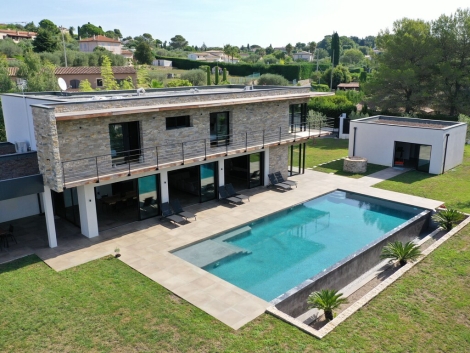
73	75
88	44
16	35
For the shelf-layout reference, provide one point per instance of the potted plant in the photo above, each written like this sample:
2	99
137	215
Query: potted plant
402	253
117	252
326	300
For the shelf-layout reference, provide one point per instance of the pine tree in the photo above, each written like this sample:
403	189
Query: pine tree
109	83
208	70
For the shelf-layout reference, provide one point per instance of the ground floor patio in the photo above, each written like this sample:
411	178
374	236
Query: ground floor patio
146	245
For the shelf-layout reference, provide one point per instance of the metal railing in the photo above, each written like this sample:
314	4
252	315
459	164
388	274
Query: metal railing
91	169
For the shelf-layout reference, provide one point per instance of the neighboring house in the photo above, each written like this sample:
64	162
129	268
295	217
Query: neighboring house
431	146
354	86
74	74
113	158
129	55
303	55
282	49
212	56
16	35
87	45
160	62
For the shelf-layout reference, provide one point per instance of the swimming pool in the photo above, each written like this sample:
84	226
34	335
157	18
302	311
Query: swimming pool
270	256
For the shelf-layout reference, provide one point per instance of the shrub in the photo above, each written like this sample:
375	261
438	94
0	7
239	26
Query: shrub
197	77
326	300
320	88
332	106
178	83
397	251
354	96
272	80
448	218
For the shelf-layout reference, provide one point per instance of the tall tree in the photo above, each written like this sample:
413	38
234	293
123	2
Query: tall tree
143	53
118	33
178	42
39	76
451	35
109	83
45	41
312	46
289	49
405	68
50	26
89	30
208	74
334	50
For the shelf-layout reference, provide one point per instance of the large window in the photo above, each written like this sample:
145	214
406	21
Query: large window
298	116
75	84
219	129
177	122
125	142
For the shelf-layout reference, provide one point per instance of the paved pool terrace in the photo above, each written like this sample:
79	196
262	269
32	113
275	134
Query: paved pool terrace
146	245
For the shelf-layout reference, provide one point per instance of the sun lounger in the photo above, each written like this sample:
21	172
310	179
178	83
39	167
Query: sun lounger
281	179
277	184
176	206
169	214
224	196
231	192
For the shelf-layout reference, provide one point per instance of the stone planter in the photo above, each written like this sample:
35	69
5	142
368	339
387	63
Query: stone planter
356	165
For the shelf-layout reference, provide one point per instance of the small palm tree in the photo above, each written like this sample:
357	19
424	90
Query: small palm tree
326	300
448	218
397	251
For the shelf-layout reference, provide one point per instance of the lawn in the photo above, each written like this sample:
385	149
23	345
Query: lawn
105	306
336	167
453	187
329	150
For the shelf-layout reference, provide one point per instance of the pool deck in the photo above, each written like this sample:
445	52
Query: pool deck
145	246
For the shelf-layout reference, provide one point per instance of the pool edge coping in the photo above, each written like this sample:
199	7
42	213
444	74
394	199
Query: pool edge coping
330	326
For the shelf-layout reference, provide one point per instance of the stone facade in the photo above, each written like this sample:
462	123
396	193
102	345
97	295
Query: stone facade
78	146
278	159
47	141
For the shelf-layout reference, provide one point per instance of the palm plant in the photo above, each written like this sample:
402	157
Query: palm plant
326	300
397	251
448	218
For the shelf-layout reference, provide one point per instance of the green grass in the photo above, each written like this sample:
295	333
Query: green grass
336	167
105	306
324	150
453	187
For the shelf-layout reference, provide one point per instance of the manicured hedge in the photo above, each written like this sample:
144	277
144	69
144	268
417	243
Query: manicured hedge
332	106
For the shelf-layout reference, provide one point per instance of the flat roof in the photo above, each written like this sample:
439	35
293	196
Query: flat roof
17	165
410	122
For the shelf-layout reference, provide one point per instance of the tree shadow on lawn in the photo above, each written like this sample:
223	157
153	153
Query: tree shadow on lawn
413	176
16	264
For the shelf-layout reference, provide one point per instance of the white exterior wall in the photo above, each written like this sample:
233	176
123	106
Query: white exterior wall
18	118
376	142
19	207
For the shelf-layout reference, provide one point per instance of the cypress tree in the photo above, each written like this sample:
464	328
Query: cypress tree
224	75
335	49
216	75
208	70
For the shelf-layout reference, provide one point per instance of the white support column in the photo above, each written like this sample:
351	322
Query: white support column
266	166
165	195
221	173
49	215
87	209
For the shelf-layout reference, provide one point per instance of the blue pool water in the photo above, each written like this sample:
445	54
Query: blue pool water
284	249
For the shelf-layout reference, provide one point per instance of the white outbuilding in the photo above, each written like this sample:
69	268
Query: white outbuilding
431	146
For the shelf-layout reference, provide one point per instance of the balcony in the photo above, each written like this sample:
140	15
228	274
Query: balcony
104	167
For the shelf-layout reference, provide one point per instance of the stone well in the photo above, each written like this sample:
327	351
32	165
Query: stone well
355	165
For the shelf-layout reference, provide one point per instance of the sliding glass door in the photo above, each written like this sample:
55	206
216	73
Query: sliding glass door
148	196
424	158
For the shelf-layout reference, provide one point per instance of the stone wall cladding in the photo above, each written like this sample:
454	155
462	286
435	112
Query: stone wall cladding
47	142
278	159
86	138
171	98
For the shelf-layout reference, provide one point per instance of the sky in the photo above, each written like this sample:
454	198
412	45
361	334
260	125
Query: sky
236	22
